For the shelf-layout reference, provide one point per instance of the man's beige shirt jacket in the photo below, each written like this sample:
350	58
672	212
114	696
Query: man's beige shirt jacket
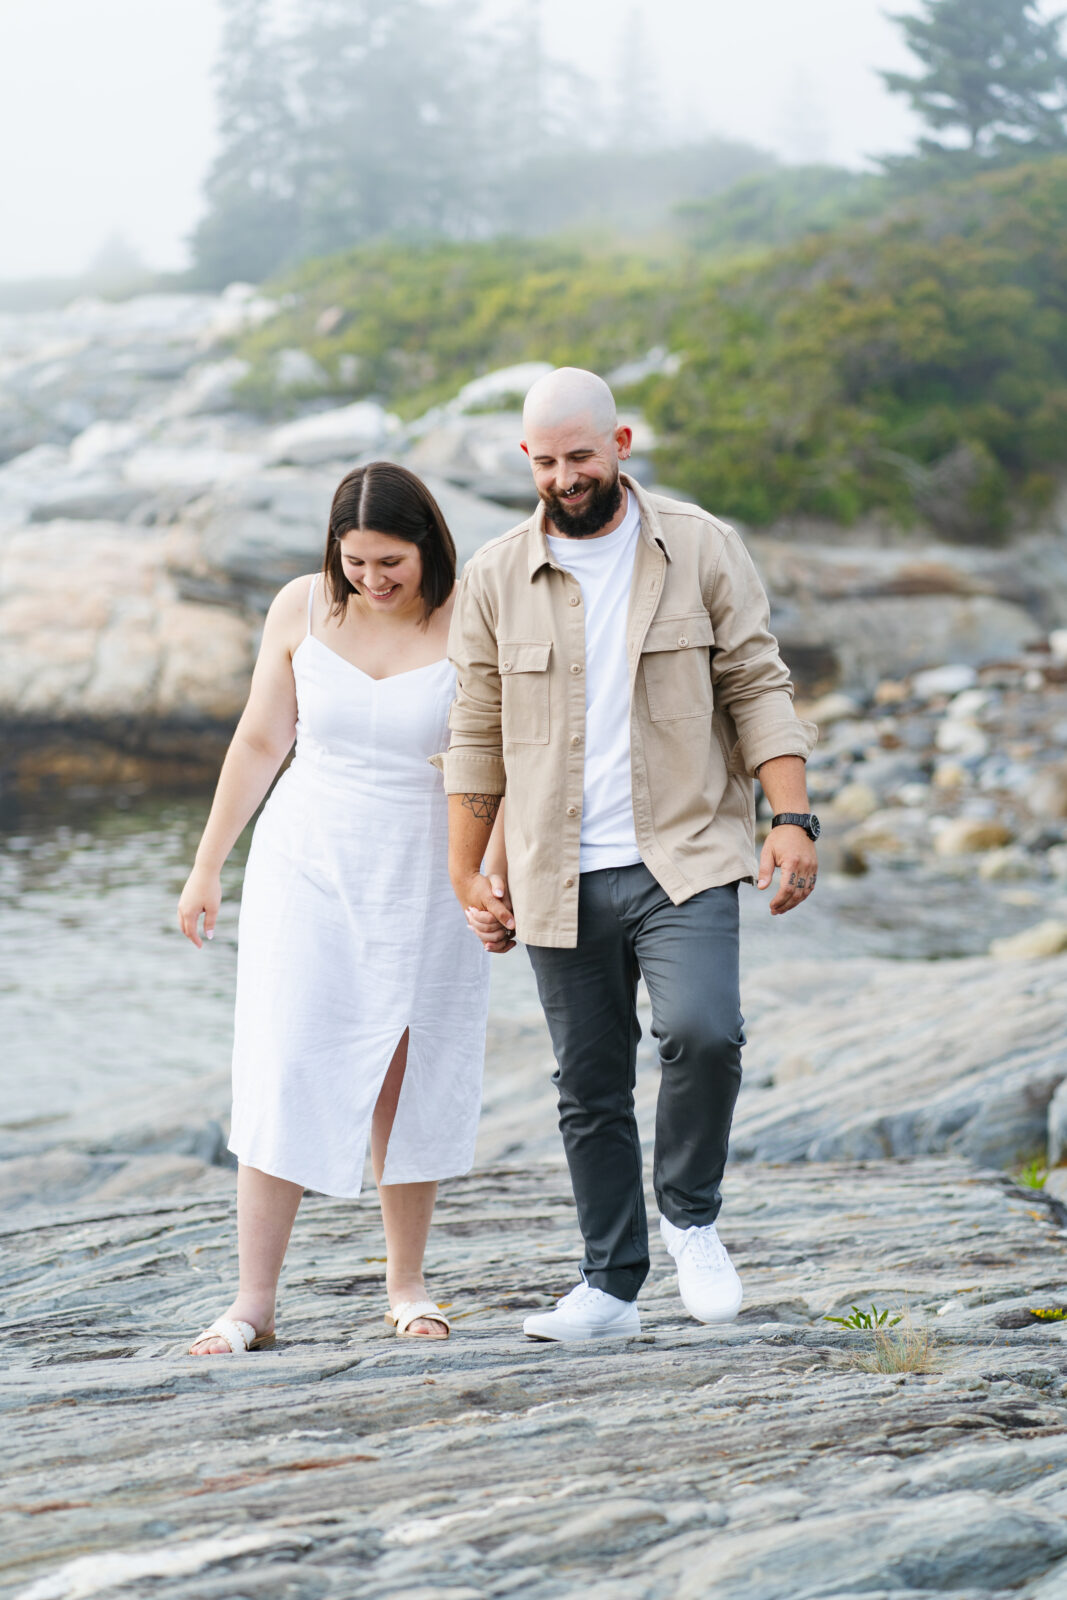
710	699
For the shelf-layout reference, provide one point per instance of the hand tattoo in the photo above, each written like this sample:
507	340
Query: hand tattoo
801	882
484	806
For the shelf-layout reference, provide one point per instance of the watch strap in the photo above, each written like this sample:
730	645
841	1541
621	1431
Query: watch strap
796	819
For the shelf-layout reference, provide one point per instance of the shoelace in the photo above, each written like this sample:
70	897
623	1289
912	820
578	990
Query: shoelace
581	1292
705	1246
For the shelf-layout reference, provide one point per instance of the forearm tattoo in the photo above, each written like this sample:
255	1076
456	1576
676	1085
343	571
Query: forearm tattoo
483	806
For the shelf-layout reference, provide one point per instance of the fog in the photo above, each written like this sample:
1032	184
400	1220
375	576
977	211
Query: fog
107	115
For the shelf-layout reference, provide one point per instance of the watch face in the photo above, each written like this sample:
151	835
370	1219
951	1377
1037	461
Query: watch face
814	826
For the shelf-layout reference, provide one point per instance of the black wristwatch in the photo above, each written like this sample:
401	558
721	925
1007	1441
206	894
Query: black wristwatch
799	819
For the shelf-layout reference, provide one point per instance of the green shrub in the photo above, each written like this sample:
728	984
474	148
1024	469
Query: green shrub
916	364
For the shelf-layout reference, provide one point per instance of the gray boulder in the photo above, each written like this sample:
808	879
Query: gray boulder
255	534
342	435
480	453
901	1059
861	641
860	607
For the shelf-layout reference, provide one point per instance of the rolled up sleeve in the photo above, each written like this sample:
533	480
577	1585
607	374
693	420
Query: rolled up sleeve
474	760
750	678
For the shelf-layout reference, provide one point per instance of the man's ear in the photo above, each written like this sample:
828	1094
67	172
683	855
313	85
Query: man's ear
624	438
522	447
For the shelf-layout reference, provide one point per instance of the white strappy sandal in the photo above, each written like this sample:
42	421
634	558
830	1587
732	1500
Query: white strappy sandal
240	1336
408	1311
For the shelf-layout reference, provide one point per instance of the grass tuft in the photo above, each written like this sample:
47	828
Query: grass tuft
909	1350
1033	1175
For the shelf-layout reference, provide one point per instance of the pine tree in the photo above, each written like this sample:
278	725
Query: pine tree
253	209
389	138
993	70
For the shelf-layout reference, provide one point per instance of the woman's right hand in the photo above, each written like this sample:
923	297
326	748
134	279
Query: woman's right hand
492	918
202	894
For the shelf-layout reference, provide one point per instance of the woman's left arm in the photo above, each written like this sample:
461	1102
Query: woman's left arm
496	855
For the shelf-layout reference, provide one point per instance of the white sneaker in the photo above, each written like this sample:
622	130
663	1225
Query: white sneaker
710	1288
585	1313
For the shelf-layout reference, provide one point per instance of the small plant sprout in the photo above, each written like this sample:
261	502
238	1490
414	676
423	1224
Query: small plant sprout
866	1321
1033	1175
1049	1313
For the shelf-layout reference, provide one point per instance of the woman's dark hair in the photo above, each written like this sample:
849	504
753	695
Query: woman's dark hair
390	499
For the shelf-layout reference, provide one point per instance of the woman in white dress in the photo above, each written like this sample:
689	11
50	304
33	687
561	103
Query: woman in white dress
361	992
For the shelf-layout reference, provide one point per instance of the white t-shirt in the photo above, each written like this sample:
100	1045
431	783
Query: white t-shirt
604	569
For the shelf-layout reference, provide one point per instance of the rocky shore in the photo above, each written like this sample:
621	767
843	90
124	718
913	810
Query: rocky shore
147	516
762	1460
900	1144
773	1458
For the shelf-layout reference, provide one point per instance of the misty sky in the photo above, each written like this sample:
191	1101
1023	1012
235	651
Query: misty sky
107	108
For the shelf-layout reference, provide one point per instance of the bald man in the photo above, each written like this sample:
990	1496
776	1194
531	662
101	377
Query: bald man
617	678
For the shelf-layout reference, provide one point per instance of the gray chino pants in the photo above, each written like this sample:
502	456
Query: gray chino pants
688	957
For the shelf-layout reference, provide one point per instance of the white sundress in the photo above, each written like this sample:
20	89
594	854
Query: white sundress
350	933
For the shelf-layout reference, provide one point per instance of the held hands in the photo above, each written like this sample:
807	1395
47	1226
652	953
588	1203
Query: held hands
788	848
489	914
202	894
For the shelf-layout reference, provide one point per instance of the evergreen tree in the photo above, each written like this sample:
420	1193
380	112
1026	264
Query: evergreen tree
390	139
253	212
993	70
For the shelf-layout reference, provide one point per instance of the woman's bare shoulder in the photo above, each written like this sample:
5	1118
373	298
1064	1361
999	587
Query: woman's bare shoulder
292	598
286	620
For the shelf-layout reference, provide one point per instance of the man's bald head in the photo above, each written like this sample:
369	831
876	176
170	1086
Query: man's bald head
570	394
573	439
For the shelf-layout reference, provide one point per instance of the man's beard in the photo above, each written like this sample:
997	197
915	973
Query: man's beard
604	501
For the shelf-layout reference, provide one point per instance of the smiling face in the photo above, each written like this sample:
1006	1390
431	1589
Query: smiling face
576	470
385	571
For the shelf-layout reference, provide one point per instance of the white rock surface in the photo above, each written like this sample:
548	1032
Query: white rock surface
504	384
1047	938
970	835
343	434
108	635
954	679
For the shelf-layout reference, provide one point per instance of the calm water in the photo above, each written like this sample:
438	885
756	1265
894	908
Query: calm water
99	992
101	996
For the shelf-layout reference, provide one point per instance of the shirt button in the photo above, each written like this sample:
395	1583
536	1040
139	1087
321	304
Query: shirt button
575	668
568	883
683	641
505	666
576	738
572	811
575	600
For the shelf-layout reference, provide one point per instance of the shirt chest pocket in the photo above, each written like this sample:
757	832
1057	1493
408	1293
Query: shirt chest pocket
524	697
676	664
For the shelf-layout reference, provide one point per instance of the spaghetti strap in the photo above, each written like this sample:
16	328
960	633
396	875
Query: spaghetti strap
311	599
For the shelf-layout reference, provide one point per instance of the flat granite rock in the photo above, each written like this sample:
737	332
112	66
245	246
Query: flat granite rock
753	1461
